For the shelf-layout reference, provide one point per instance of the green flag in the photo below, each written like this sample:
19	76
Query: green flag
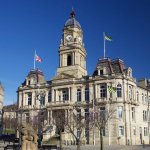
108	38
111	89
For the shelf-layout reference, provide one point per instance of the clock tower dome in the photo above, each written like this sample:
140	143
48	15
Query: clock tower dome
72	54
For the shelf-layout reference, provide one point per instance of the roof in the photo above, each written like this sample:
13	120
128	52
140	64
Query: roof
12	107
72	21
35	71
113	66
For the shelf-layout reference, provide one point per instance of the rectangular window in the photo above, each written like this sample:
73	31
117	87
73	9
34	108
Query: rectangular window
134	130
29	98
78	133
65	94
144	115
103	92
103	131
101	72
86	114
78	114
27	117
87	132
102	114
78	95
86	94
133	113
121	130
145	131
42	100
49	96
120	112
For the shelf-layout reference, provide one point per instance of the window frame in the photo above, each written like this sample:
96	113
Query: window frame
29	98
119	90
79	94
103	91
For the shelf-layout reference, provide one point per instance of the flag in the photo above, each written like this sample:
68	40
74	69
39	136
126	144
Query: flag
111	89
108	38
37	58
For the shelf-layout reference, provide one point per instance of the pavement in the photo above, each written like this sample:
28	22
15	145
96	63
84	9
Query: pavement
112	147
91	147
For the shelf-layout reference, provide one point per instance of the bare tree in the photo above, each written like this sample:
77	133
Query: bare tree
73	123
101	119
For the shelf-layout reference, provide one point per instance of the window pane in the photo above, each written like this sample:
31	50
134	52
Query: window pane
78	95
119	90
102	91
86	94
29	98
120	112
49	96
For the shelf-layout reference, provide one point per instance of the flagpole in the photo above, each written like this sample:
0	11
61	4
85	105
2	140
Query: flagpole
104	45
34	59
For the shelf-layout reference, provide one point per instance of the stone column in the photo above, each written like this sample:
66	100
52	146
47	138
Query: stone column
70	94
82	94
48	121
50	117
66	114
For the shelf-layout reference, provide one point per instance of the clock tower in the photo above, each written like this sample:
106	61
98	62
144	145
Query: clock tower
72	54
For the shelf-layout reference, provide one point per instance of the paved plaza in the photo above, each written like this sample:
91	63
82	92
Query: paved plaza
114	147
90	147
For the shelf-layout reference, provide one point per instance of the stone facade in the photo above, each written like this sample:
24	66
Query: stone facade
10	117
111	85
1	104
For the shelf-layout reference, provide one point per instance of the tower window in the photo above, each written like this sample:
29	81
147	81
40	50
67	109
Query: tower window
69	60
101	72
28	82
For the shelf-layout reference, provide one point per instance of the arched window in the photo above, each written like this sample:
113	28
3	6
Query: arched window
103	91
69	60
119	90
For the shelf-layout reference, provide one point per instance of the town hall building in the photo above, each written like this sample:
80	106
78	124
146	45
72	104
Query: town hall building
111	85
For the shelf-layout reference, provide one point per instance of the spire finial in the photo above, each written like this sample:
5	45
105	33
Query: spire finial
72	14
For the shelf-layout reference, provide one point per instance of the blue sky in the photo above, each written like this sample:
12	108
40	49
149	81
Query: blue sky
28	25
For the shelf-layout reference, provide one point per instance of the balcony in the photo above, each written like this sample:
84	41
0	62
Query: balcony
59	103
102	100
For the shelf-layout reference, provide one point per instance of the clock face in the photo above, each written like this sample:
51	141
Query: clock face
69	37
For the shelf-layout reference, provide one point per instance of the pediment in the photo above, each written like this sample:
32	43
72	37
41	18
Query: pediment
63	76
